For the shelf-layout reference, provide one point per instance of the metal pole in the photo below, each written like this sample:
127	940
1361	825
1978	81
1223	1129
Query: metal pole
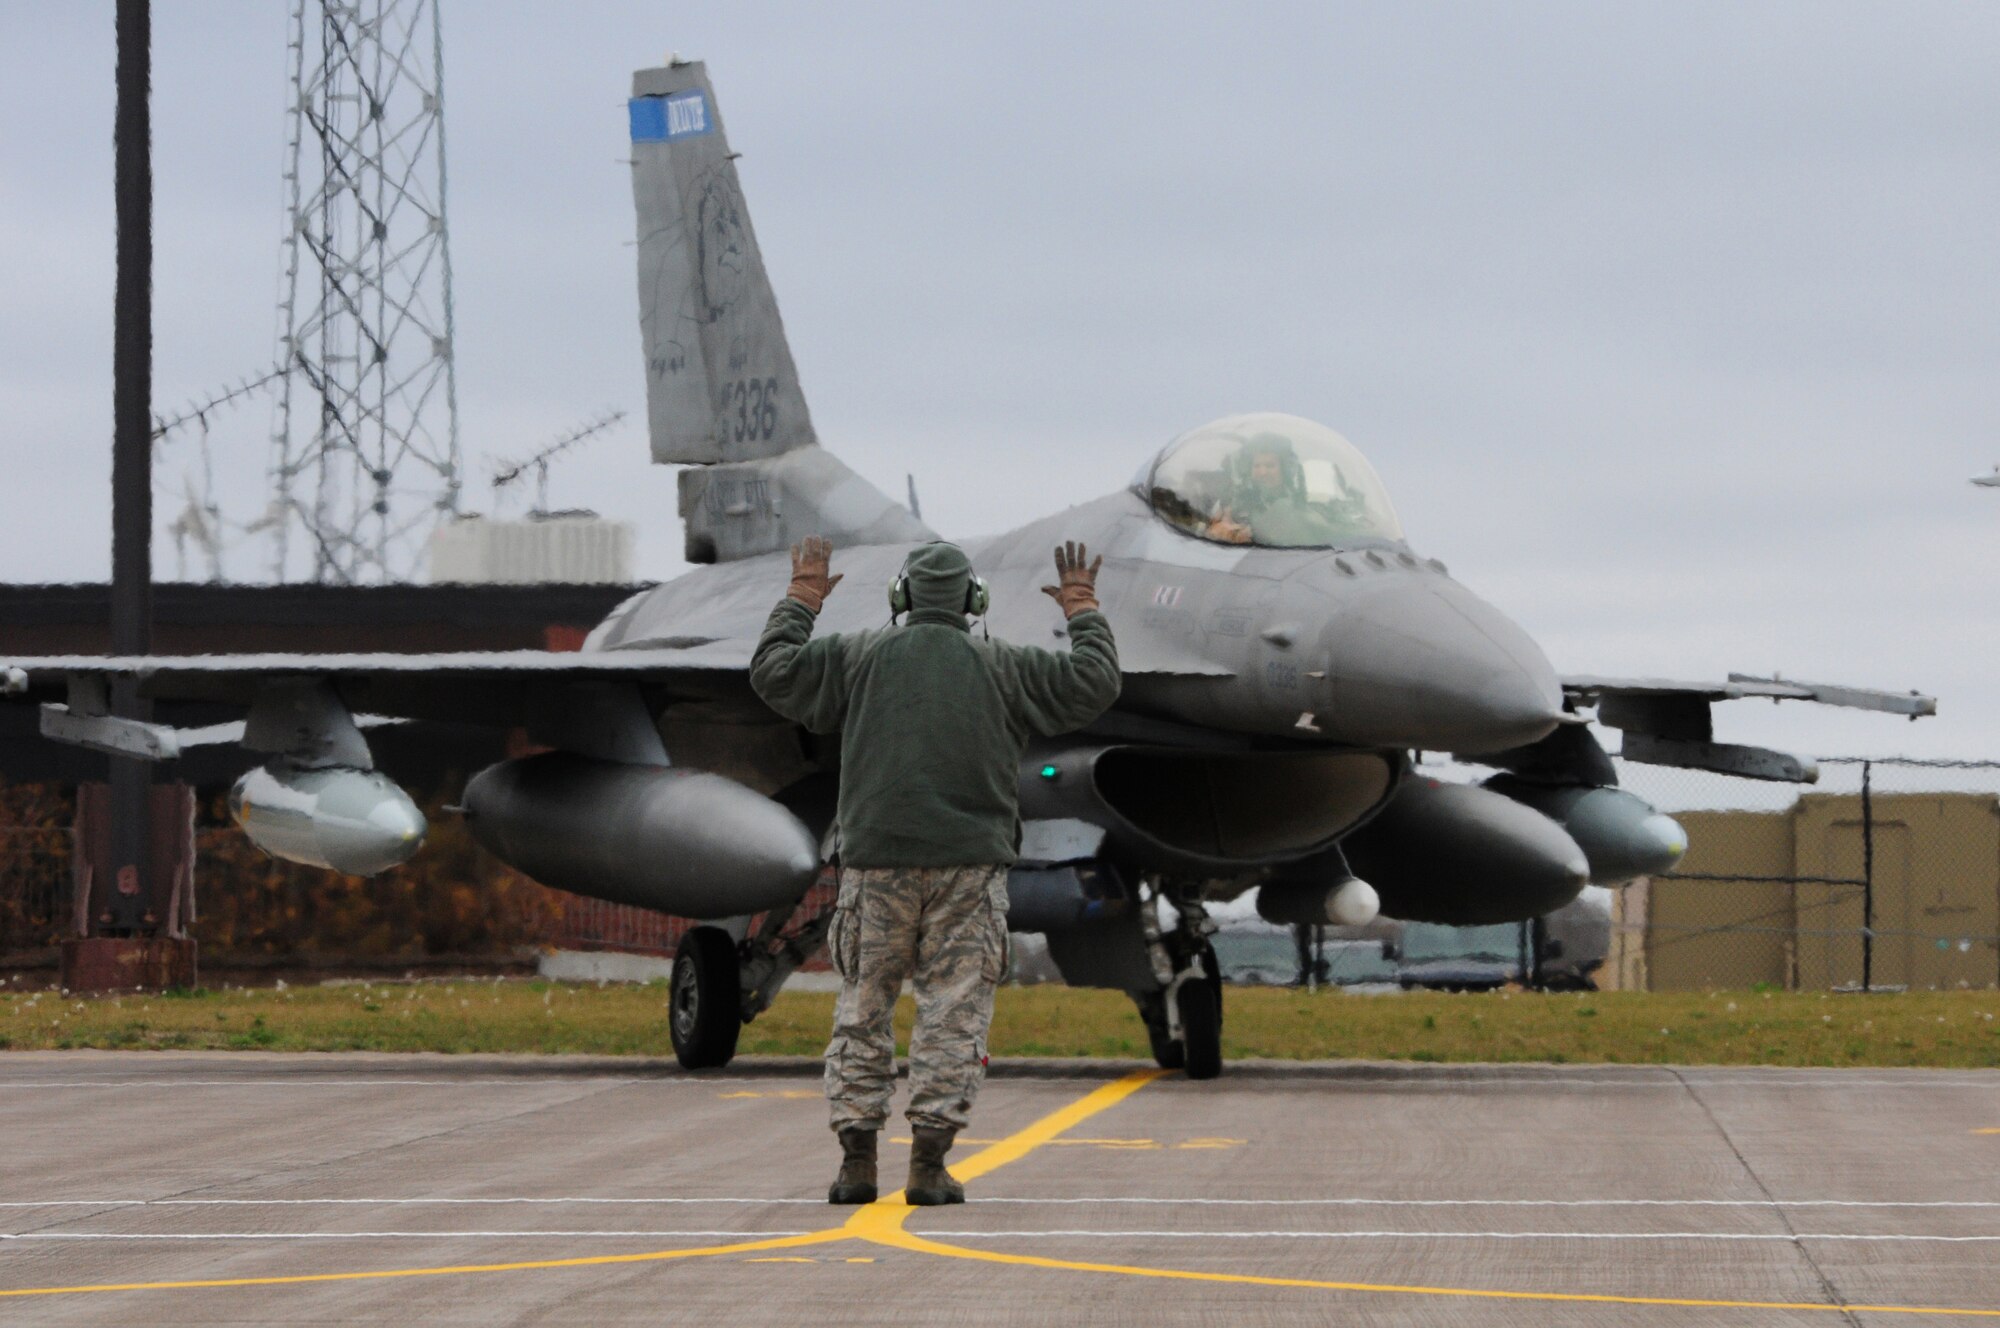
1867	878
123	906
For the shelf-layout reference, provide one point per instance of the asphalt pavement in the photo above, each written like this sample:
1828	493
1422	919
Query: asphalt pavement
164	1189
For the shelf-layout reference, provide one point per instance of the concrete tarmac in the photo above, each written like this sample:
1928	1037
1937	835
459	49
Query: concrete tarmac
165	1189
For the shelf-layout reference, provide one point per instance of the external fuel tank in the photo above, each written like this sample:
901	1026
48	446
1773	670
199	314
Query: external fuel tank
685	842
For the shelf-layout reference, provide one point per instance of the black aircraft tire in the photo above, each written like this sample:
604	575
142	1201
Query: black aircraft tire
1200	1002
705	1010
1167	1053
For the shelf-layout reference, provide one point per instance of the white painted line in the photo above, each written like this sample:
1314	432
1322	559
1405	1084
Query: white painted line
546	1081
1661	1080
1657	1083
418	1202
393	1235
1430	1235
1078	1234
1523	1203
644	1201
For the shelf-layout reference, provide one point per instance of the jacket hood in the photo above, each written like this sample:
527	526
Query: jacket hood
939	576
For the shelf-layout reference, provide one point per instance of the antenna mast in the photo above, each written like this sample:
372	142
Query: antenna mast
365	455
508	472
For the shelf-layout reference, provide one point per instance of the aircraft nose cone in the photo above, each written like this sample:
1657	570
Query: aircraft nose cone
1420	661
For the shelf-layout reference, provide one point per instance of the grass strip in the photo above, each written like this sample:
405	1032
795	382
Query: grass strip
1959	1029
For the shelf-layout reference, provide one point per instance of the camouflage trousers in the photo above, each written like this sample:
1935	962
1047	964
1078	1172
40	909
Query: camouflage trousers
946	929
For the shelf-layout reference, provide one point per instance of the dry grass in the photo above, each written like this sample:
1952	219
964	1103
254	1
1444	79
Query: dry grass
1943	1029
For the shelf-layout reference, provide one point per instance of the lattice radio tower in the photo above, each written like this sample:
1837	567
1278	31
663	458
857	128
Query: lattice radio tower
364	448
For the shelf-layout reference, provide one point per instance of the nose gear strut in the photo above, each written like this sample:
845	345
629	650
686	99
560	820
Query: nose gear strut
1184	1017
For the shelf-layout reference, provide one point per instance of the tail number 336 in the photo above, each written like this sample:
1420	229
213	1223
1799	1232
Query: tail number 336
750	409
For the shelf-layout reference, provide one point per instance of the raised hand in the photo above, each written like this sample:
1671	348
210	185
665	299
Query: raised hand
812	580
1076	582
1227	528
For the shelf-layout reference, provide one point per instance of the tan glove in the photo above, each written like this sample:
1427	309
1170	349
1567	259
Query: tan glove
811	582
1076	590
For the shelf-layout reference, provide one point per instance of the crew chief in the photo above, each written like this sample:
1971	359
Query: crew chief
933	725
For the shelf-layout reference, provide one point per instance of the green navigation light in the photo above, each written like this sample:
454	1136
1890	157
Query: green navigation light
1050	772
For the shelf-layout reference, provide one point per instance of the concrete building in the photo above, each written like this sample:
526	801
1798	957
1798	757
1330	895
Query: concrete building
1780	898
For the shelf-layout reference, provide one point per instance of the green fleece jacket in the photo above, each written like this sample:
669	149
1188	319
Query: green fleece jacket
933	723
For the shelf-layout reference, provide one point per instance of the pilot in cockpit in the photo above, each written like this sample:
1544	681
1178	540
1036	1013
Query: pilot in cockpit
1268	479
1268	503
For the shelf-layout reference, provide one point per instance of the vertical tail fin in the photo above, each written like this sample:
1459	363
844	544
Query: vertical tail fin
720	383
722	394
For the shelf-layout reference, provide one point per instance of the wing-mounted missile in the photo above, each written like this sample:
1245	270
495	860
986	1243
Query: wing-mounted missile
319	800
681	841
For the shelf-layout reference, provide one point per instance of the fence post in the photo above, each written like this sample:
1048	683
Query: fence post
1867	878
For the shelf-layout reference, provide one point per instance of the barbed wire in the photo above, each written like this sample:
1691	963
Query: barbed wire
1912	762
1760	880
1850	933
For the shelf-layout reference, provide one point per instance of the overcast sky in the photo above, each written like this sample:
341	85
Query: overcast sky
1674	330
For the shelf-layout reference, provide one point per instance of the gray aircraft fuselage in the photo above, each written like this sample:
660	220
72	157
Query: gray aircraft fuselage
1367	645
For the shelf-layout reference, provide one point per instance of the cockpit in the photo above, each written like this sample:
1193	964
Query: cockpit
1272	480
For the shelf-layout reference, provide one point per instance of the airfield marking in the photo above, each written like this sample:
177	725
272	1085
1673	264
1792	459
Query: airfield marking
653	1256
491	1081
1467	1235
387	1235
987	1202
1782	1077
1125	1145
881	1223
888	1231
1076	1233
999	1154
1991	1129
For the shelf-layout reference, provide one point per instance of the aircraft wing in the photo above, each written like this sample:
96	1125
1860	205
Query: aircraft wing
503	687
1666	722
1591	689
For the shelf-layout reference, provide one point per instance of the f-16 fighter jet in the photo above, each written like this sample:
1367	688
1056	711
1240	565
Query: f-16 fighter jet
1284	652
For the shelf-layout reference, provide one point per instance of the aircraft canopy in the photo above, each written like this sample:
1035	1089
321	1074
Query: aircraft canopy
1272	480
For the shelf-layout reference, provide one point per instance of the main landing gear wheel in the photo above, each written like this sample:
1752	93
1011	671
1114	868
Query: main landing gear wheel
707	1000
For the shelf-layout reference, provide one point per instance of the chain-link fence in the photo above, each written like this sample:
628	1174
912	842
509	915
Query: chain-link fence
35	852
453	904
1884	874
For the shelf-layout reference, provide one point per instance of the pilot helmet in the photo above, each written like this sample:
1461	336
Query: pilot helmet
1242	465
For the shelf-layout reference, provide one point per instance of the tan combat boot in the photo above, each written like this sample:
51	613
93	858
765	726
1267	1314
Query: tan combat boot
856	1182
930	1184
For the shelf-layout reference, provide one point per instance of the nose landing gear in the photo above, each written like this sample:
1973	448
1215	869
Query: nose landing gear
1183	1016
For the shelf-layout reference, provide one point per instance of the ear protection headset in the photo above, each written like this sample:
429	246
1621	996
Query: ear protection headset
977	596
